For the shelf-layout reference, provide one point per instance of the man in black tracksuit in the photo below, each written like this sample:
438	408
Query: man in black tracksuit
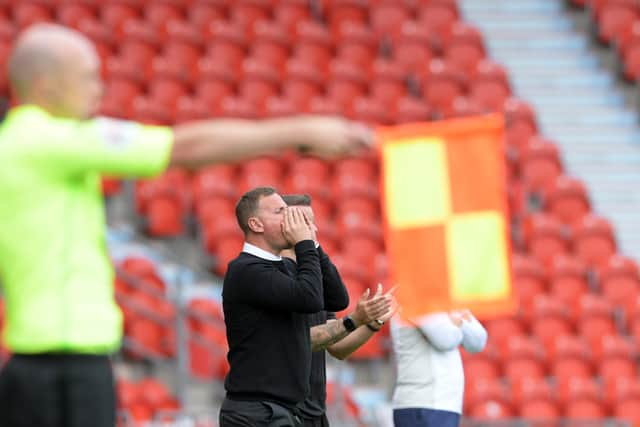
266	301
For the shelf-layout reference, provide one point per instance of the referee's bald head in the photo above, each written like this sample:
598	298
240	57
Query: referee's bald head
56	68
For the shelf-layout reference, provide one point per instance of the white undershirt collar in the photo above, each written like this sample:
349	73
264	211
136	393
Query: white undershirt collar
260	253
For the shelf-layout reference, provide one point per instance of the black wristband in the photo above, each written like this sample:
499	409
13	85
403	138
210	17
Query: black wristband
371	328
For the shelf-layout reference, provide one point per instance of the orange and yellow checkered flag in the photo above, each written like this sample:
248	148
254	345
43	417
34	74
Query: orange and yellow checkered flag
445	215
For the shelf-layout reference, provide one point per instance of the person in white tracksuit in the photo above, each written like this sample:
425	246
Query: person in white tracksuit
430	378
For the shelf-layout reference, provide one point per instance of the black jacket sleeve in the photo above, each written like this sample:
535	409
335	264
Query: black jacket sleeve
336	297
261	284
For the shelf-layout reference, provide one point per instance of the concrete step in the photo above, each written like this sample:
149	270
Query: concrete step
481	9
591	79
574	43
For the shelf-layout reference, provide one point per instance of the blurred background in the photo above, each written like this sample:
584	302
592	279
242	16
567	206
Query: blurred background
562	72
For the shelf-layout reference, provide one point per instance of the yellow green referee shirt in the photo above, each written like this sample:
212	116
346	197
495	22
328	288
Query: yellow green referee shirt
55	272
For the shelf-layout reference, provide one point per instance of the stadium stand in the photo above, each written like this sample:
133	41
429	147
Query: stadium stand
572	349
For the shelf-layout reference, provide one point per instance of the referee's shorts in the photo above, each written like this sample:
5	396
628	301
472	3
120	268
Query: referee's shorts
422	417
57	390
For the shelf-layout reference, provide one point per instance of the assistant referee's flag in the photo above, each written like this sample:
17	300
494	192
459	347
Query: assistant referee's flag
445	216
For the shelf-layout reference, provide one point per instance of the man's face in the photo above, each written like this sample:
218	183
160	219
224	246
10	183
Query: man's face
270	213
81	88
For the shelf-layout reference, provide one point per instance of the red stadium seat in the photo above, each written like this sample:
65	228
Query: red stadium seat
290	12
29	13
343	12
387	17
116	14
520	122
545	237
438	17
302	83
542	413
580	389
70	15
464	48
371	111
491	410
596	318
260	80
150	112
356	43
593	240
167	91
225	42
568	281
100	35
347	82
308	175
314	43
499	330
160	14
226	250
245	13
271	42
412	46
619	282
521	368
524	348
217	228
622	389
551	318
354	177
388	84
613	370
490	85
482	391
529	281
190	109
442	85
164	217
140	42
214	181
480	368
540	163
585	409
614	19
202	14
570	347
628	410
527	389
237	107
184	44
213	206
567	200
409	109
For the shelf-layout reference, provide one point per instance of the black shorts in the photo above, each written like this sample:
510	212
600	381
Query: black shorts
57	391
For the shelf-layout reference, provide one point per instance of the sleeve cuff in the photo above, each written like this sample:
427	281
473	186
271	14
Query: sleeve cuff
304	246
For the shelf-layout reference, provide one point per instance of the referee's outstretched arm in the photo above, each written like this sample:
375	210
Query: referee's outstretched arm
58	70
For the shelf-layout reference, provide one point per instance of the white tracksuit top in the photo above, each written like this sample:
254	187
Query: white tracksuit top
429	367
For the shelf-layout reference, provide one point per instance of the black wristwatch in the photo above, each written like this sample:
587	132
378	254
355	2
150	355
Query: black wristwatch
349	324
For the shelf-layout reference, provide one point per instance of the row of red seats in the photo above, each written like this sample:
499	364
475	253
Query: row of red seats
149	321
144	399
617	23
385	17
568	279
536	399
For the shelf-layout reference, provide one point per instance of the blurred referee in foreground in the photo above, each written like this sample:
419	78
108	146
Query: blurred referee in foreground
62	322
